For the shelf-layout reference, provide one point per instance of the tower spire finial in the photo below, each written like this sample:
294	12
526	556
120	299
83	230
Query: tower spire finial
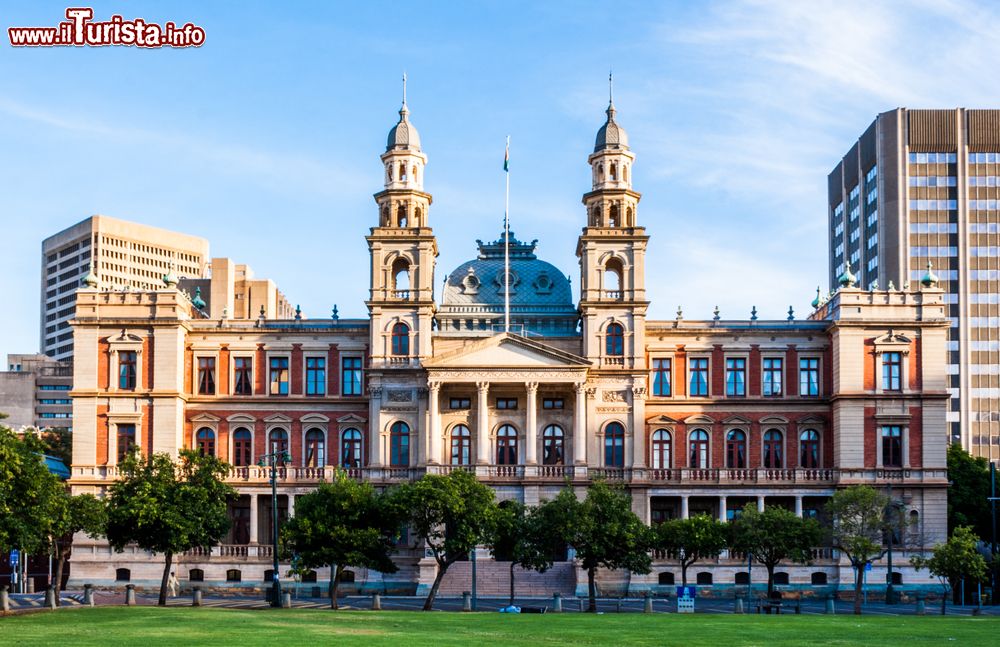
611	87
404	87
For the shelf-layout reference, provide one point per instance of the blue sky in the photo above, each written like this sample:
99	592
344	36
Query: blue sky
266	139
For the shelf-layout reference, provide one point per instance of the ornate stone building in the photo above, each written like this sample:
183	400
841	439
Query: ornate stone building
691	416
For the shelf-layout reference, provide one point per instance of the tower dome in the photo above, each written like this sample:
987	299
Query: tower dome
611	135
403	135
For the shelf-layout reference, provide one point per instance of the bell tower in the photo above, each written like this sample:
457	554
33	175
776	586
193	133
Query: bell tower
403	251
612	253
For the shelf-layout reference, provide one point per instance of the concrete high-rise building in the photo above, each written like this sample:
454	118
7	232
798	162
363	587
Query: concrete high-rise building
123	255
917	196
231	291
34	392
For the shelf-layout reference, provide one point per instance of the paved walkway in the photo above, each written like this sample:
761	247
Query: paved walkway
25	602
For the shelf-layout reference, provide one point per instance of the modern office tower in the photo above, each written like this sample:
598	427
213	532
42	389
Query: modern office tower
34	392
231	291
122	255
916	194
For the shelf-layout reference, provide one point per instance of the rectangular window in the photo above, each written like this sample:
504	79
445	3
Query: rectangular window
243	376
699	376
507	403
460	403
315	376
771	386
736	376
553	403
892	368
279	376
892	446
126	369
661	377
809	376
126	440
206	376
352	375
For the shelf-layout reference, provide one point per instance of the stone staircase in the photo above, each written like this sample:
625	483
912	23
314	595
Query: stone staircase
493	579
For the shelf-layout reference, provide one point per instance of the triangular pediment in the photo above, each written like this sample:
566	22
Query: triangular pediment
699	419
205	417
736	420
661	420
277	417
507	351
351	418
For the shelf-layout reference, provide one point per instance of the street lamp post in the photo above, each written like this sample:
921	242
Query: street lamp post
893	509
271	460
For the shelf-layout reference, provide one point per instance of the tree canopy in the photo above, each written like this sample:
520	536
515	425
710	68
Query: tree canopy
167	507
453	514
80	513
342	523
603	531
691	540
522	536
30	496
968	495
773	536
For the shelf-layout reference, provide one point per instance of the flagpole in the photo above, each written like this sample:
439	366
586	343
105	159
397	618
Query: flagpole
506	242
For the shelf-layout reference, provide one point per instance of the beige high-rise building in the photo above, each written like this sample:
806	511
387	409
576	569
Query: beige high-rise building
123	255
922	187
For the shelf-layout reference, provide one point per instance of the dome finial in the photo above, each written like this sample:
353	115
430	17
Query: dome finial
611	87
930	278
404	87
90	280
197	301
817	300
847	279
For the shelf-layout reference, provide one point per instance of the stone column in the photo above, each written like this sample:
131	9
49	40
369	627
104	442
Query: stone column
530	424
434	429
580	426
723	509
253	520
483	424
760	503
684	506
375	426
798	505
638	452
291	505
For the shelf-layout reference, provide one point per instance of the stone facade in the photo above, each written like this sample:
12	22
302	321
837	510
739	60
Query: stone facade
690	416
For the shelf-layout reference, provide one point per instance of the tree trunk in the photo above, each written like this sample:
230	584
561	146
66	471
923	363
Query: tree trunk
335	585
429	602
511	603
57	585
684	574
770	580
858	575
591	590
167	562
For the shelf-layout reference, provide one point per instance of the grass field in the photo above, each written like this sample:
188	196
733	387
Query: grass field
148	626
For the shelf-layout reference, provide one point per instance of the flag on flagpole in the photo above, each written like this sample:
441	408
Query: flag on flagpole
506	157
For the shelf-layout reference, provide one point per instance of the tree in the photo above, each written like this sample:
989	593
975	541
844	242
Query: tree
167	507
690	540
968	495
29	494
57	442
522	537
773	536
860	525
603	530
452	514
339	524
954	560
81	513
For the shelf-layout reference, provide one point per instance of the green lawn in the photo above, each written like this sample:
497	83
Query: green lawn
148	626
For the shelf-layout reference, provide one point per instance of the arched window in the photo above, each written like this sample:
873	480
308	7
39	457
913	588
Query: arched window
242	447
698	441
781	577
613	273
736	449
600	171
350	448
413	172
553	443
196	575
123	575
629	218
399	444
233	575
614	172
614	341
315	448
277	441
400	340
417	215
817	578
742	577
206	441
388	171
461	445
400	276
614	217
401	215
402	171
614	445
625	174
773	454
661	449
704	578
809	449
665	578
506	445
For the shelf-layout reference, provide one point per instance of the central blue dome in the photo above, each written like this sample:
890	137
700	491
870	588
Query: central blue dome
540	297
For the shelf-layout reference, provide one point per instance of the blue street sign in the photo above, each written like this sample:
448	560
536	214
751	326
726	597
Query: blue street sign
868	567
15	558
686	591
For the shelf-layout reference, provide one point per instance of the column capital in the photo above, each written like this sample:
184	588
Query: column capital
579	387
532	387
434	387
483	386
